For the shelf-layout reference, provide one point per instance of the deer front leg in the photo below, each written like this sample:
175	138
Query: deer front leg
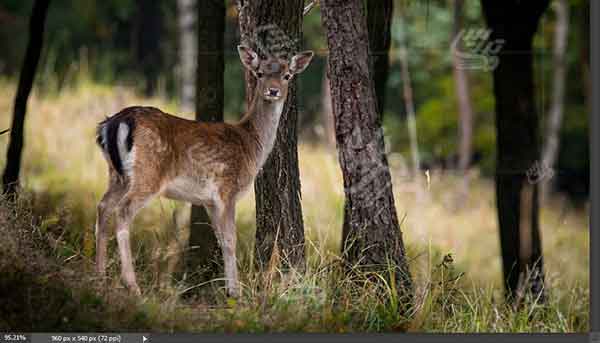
226	235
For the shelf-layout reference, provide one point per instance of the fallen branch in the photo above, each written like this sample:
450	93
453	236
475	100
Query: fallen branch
4	131
310	7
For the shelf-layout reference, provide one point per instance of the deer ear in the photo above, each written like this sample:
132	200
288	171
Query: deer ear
249	57
300	62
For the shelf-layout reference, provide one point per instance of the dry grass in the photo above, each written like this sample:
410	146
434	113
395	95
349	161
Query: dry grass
66	175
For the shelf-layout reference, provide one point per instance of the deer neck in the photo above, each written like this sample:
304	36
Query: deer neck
262	122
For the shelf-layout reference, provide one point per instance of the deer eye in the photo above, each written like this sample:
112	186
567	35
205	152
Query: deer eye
259	74
287	77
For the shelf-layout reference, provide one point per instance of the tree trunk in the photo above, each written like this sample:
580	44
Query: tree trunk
10	179
327	112
275	27
379	22
550	150
187	53
465	110
515	22
371	234
148	29
584	56
203	249
407	93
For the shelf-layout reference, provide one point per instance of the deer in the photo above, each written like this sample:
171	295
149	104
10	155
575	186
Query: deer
155	154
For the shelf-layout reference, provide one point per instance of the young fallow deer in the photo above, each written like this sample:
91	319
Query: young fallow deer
151	153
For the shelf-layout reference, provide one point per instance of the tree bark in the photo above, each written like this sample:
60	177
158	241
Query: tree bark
372	238
275	27
187	52
551	146
465	109
518	144
148	29
379	22
203	249
10	179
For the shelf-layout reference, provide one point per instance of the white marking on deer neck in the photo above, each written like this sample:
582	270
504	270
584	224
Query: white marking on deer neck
266	123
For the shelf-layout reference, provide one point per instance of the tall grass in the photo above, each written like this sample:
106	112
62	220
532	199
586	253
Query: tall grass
64	176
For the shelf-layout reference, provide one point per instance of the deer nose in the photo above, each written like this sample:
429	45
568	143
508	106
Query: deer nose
273	92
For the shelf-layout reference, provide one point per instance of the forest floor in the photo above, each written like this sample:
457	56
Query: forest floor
47	247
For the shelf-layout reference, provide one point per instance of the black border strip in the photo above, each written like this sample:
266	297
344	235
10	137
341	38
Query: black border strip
594	154
332	338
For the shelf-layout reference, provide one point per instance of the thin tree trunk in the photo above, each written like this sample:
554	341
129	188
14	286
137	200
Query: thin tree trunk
275	27
147	39
187	53
379	22
203	249
10	179
550	150
585	54
327	112
371	233
518	144
465	110
407	93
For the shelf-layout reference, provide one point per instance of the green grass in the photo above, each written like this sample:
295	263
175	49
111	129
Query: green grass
46	260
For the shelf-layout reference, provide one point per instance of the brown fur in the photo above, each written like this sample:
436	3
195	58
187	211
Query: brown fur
208	164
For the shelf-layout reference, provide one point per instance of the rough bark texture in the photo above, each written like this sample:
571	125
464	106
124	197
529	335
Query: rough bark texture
187	52
518	144
554	123
465	109
371	233
148	29
275	27
10	179
379	22
204	252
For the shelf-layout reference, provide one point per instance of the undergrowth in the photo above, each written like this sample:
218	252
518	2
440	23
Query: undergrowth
47	279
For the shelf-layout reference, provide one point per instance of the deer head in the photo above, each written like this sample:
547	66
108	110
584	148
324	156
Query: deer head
272	74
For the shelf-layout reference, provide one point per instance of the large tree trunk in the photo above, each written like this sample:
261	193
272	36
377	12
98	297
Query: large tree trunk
465	110
203	249
371	233
148	29
379	22
554	123
187	53
517	131
10	179
276	26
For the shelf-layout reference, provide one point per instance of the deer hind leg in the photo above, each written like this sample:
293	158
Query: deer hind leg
224	219
129	206
105	209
